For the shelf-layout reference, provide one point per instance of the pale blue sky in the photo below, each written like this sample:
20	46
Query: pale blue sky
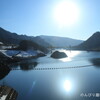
35	17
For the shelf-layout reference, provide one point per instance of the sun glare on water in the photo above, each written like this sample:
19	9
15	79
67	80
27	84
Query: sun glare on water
67	85
66	13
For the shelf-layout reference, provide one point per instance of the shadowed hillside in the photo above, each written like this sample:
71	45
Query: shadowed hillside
13	38
92	43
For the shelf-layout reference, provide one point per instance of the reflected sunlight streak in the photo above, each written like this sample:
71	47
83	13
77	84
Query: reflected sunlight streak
70	55
67	85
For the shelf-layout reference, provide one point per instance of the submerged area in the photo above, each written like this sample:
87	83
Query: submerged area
46	78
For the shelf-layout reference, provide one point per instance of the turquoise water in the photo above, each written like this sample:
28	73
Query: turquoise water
57	84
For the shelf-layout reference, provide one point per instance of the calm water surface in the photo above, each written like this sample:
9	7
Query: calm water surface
57	84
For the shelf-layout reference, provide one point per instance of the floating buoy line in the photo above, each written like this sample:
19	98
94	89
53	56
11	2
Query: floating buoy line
56	68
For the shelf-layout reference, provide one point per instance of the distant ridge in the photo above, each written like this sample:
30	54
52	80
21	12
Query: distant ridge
57	41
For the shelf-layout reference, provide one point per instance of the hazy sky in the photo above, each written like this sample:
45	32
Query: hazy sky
36	17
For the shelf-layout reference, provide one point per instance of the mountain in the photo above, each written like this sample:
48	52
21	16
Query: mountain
92	43
56	41
13	38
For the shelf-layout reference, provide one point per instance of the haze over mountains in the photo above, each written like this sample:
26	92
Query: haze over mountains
46	41
56	41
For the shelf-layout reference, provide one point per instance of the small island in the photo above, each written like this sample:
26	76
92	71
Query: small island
58	55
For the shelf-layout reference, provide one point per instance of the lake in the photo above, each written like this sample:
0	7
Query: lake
76	77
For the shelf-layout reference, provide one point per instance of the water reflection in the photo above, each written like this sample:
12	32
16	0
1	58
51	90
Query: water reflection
24	65
28	66
96	62
4	70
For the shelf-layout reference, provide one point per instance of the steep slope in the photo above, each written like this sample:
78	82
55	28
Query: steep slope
60	41
92	43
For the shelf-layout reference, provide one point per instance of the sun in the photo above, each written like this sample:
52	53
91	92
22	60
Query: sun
66	13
